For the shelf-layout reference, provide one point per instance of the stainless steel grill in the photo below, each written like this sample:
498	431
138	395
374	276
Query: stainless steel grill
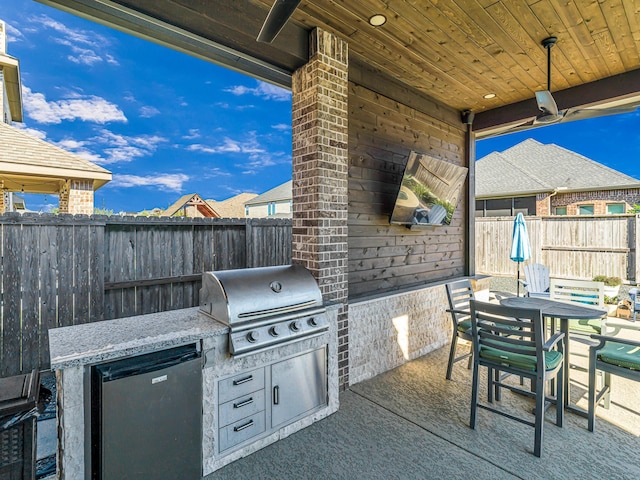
264	307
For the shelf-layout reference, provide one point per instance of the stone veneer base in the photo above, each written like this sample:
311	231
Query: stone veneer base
390	330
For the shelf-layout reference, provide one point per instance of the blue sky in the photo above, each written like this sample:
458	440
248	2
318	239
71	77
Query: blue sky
166	124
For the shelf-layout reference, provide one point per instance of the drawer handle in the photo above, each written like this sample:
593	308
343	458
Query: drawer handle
276	395
246	402
242	427
240	381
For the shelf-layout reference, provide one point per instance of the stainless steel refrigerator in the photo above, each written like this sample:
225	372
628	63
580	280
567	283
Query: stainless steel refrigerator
146	416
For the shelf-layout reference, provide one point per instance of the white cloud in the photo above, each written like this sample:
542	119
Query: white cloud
283	127
13	34
149	111
88	108
122	148
87	48
193	134
263	90
248	146
168	181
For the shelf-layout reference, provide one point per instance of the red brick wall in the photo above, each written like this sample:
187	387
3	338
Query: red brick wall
599	199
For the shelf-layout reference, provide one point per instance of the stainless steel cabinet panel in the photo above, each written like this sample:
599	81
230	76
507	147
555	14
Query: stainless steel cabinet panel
298	385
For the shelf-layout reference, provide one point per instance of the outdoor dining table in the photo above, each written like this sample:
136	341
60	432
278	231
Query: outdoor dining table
564	312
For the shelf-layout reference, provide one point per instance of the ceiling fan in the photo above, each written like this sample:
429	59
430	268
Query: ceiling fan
280	12
549	113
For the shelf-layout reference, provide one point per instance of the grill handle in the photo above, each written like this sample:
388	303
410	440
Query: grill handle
276	395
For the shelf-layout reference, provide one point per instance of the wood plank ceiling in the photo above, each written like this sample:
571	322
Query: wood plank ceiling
454	51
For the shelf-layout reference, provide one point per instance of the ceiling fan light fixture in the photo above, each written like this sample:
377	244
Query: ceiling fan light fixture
377	20
489	96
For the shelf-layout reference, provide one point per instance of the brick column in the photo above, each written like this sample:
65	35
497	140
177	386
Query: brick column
320	175
543	204
76	197
3	207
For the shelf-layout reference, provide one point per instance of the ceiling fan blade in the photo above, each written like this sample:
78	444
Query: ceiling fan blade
546	103
280	12
572	114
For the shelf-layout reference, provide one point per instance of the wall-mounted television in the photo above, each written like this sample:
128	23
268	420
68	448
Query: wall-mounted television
429	192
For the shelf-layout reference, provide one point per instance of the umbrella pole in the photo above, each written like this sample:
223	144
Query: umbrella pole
518	282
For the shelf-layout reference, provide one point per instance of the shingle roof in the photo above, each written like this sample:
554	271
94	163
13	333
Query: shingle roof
281	192
191	199
532	167
232	207
24	154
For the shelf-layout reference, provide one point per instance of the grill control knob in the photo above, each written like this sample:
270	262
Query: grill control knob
274	331
295	325
313	322
253	336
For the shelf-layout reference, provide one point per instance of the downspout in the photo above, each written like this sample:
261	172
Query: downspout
470	161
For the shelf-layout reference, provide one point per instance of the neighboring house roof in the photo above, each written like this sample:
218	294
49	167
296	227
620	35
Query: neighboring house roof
276	194
531	167
191	200
39	166
232	207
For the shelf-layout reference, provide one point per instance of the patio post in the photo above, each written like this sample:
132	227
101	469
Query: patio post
320	174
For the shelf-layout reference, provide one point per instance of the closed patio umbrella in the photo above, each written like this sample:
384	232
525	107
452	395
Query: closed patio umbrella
520	246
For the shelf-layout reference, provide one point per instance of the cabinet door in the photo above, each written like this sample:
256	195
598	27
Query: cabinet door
298	385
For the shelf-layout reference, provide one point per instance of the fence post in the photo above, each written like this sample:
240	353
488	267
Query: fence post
248	237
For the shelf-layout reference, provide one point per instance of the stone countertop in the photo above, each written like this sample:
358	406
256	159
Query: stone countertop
98	342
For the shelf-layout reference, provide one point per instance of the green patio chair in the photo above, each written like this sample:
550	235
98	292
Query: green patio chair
612	355
459	294
526	354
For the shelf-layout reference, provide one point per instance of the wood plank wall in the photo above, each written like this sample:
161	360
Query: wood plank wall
61	270
382	133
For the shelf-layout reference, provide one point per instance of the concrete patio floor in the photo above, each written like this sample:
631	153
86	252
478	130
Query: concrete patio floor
411	423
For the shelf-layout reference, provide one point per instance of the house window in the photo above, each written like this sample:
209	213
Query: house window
585	209
615	208
246	211
498	207
560	210
271	208
505	207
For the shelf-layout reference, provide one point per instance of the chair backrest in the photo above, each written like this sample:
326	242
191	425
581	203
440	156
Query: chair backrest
493	327
537	276
459	293
580	292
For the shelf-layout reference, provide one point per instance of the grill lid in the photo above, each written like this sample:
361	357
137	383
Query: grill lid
249	294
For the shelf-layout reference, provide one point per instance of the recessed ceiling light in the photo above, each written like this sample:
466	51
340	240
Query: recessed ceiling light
377	20
489	96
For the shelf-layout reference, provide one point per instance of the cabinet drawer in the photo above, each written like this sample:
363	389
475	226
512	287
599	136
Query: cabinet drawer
241	430
241	407
241	384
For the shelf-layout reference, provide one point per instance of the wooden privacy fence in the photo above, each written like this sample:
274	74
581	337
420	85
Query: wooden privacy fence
61	270
578	247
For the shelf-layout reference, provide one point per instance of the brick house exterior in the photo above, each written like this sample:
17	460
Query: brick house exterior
531	178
